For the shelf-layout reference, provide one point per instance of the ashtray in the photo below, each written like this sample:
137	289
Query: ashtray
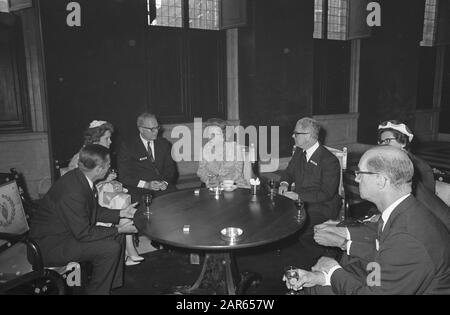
231	234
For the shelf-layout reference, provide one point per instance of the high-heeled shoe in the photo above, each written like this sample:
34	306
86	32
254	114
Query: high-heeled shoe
130	262
135	258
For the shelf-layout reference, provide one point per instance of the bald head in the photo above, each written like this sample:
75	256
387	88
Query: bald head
391	162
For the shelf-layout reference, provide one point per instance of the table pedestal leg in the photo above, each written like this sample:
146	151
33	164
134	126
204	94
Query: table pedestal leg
220	275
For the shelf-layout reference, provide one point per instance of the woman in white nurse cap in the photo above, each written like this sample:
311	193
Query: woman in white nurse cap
396	133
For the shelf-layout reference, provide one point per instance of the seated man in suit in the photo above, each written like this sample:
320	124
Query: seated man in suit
406	252
145	162
65	224
316	174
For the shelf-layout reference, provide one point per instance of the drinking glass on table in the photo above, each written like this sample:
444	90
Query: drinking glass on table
213	181
290	272
147	202
300	206
271	187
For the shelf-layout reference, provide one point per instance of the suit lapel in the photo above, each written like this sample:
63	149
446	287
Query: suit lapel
140	149
157	151
316	156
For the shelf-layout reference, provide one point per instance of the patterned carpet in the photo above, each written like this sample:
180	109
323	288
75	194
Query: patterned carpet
165	269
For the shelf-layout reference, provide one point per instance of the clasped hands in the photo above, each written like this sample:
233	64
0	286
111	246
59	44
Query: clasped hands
311	278
156	185
284	190
328	234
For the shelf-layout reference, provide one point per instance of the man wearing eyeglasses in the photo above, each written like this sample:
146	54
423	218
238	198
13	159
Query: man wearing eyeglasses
406	252
145	163
316	173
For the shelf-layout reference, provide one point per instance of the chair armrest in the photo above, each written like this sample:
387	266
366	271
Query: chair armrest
33	249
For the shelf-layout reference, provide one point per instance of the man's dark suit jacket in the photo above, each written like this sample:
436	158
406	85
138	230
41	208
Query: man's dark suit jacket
70	210
316	181
134	163
413	255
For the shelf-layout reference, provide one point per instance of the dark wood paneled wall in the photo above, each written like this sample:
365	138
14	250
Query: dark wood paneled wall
389	67
115	66
276	65
14	103
444	121
96	71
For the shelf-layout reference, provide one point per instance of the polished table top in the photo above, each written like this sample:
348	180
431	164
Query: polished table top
262	219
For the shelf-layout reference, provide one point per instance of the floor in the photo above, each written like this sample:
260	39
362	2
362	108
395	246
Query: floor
164	269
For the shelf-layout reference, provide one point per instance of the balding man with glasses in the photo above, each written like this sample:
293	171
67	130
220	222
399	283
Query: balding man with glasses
406	252
145	163
316	173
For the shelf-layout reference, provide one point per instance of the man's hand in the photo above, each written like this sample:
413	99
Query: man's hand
129	211
283	188
325	238
326	224
325	264
163	185
155	185
291	195
110	177
330	227
126	226
306	279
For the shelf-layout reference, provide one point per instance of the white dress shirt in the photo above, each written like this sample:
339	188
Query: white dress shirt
152	145
91	184
142	183
309	152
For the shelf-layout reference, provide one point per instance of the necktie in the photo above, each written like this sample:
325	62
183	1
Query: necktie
380	227
304	156
150	153
94	190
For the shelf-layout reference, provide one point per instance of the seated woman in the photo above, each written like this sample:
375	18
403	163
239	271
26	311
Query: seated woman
397	134
100	132
221	159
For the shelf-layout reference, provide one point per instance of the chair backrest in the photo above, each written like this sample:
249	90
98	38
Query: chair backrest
61	168
342	157
443	191
13	219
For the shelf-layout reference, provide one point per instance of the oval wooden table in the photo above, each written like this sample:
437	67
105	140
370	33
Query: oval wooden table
184	219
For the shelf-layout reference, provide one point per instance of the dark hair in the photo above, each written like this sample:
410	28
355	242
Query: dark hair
93	135
400	137
222	124
92	155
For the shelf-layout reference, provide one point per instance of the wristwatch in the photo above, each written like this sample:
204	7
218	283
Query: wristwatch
344	245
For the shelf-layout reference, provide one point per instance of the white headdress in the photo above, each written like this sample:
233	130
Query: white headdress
96	123
399	127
